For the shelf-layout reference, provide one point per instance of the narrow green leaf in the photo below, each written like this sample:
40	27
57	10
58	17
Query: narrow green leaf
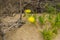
41	20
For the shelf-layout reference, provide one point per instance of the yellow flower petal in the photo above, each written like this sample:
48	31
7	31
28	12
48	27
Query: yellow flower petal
31	19
27	11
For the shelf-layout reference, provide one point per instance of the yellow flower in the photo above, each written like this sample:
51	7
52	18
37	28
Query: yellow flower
31	19
27	11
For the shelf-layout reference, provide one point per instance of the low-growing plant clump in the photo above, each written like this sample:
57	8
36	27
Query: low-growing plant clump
53	21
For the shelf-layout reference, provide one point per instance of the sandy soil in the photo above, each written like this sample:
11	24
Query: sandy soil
26	32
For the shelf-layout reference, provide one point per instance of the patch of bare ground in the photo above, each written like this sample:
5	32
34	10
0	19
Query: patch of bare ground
26	32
